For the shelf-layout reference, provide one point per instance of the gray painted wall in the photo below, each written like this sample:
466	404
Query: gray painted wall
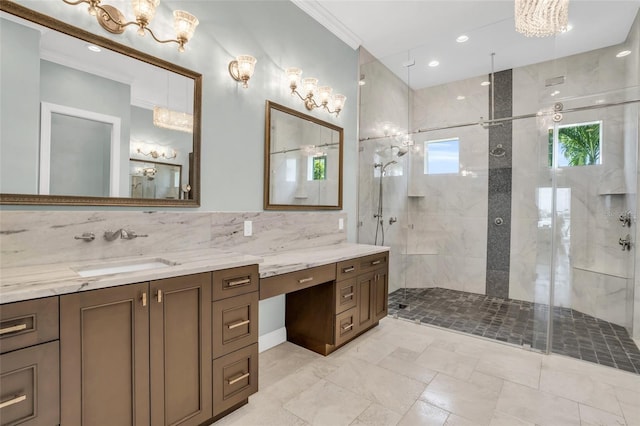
20	106
279	35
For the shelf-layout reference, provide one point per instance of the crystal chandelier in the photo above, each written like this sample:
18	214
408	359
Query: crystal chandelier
174	120
541	18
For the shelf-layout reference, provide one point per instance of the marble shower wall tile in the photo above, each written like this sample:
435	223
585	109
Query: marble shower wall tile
43	237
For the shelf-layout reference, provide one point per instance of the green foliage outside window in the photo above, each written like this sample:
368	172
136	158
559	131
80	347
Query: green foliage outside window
320	168
579	145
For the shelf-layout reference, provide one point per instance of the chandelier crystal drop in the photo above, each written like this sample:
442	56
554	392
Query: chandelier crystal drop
541	18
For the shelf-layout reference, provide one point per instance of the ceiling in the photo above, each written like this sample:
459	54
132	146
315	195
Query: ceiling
400	33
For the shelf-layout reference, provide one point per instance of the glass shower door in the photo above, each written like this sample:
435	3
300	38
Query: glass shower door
592	171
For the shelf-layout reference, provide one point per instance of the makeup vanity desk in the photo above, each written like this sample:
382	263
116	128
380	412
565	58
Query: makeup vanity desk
333	293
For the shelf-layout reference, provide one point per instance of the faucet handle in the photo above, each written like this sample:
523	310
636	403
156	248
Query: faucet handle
130	235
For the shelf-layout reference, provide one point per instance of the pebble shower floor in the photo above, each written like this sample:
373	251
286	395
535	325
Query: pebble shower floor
575	334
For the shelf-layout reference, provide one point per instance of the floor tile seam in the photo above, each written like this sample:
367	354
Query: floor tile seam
407	376
495	405
359	414
613	393
353	394
300	418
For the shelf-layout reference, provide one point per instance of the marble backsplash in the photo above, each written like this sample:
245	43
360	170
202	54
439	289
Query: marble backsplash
44	237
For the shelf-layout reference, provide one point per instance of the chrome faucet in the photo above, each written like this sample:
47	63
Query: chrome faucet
122	233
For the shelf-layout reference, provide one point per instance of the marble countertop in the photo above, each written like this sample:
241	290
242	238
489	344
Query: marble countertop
31	282
296	260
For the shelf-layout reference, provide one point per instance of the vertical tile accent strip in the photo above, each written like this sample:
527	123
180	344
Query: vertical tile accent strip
500	165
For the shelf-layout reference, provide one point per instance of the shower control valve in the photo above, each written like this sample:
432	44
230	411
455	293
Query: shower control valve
625	242
625	218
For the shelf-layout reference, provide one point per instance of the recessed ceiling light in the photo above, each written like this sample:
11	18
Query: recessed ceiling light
94	48
462	38
623	53
434	63
485	83
460	98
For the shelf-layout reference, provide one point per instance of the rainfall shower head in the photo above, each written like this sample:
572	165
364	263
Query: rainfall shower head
402	150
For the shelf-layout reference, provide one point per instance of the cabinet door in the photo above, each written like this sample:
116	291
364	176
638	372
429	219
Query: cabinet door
29	386
104	362
381	293
180	347
366	295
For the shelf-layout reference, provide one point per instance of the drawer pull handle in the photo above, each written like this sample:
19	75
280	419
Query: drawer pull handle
347	327
237	379
144	298
376	262
305	280
13	329
238	324
349	269
239	282
13	401
159	296
347	296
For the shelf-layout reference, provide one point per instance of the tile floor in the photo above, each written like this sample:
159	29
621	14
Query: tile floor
402	373
575	334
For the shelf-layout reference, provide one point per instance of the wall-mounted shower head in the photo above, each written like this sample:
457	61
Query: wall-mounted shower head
388	164
498	151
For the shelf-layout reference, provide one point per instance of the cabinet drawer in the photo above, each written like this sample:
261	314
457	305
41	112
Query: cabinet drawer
235	281
346	324
347	269
235	323
235	378
30	386
28	323
375	261
294	281
346	296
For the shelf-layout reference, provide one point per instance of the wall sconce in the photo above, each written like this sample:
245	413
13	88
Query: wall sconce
155	154
112	20
241	69
311	89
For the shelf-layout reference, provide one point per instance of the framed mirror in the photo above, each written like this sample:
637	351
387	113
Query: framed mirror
302	161
79	110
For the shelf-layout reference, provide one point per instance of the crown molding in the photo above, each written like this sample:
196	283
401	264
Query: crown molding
318	12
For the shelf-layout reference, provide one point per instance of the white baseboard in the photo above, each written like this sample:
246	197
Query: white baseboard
269	340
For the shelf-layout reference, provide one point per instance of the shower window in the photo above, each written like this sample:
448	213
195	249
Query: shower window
578	144
442	156
317	169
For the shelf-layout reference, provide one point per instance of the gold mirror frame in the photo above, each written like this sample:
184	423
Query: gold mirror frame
267	159
63	27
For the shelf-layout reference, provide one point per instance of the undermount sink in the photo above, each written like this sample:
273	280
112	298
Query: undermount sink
121	267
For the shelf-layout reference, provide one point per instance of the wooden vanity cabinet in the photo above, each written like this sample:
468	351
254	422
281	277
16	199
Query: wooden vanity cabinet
350	299
234	327
29	364
137	354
